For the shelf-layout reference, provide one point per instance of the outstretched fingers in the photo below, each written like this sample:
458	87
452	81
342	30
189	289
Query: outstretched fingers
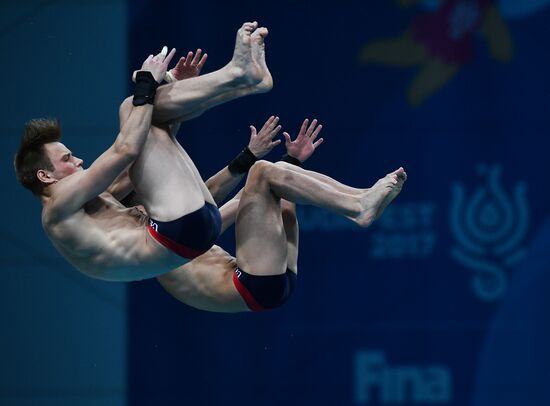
316	132
158	64
196	60
163	56
261	142
303	128
168	58
199	59
271	128
305	143
189	66
310	130
271	125
288	139
268	122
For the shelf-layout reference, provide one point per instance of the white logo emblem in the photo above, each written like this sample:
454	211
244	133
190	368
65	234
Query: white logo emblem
377	382
489	228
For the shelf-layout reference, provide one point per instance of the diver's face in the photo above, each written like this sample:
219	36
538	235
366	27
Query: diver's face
62	159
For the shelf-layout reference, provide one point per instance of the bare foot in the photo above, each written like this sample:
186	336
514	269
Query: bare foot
401	177
379	196
242	63
258	56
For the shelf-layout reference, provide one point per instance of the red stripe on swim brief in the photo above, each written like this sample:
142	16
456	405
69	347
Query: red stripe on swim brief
173	246
246	295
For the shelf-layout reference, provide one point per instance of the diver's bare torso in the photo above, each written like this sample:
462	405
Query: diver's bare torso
108	241
206	283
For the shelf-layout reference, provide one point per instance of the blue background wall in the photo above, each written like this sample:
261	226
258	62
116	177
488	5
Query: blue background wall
421	308
442	301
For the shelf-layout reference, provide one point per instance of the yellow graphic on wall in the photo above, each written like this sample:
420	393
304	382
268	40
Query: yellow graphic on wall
440	41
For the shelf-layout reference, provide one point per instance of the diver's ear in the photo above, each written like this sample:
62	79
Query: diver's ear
45	177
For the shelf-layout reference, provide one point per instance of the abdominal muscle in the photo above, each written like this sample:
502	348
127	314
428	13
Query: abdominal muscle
206	283
107	241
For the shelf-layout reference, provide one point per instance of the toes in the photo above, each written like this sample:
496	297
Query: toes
262	31
397	171
248	27
259	35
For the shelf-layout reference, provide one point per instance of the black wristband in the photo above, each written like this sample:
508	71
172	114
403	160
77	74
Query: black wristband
242	162
146	88
291	160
